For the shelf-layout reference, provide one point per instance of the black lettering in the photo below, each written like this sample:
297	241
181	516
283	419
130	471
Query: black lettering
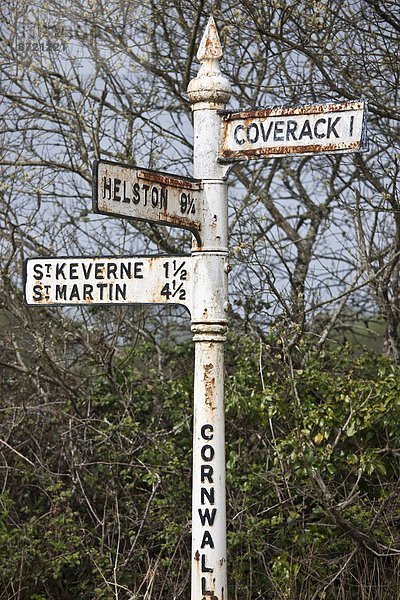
205	515
117	183
137	270
183	202
110	291
291	128
278	131
207	540
87	291
204	429
204	589
240	142
61	292
37	292
257	133
317	134
331	127
120	291
107	187
265	136
136	193
60	270
306	130
126	269
87	269
74	295
111	270
154	196
73	271
125	198
146	189
101	287
204	568
206	494
207	449
206	472
164	198
351	126
99	271
37	272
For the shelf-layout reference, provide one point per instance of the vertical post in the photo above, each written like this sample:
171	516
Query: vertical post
208	92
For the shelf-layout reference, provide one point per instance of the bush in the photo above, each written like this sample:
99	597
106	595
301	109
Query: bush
96	498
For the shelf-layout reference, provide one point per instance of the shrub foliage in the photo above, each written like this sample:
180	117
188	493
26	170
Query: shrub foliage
95	501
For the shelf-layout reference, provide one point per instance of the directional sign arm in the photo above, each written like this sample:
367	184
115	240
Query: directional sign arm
145	195
278	131
111	280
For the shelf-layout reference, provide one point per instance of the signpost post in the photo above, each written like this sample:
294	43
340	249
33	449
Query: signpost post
199	281
208	93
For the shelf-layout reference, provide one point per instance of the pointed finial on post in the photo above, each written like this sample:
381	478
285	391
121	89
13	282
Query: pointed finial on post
210	45
210	89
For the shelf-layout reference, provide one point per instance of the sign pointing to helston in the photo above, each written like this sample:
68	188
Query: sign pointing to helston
278	131
122	280
147	195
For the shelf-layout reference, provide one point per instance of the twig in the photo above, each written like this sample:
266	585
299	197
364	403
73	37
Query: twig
16	452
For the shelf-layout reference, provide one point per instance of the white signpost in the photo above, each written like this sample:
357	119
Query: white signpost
199	282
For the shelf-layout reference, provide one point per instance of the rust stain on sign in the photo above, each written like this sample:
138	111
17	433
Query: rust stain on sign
280	131
176	220
170	180
209	384
306	109
283	151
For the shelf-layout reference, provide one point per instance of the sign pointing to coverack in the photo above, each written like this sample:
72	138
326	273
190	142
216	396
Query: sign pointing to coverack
278	131
119	280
